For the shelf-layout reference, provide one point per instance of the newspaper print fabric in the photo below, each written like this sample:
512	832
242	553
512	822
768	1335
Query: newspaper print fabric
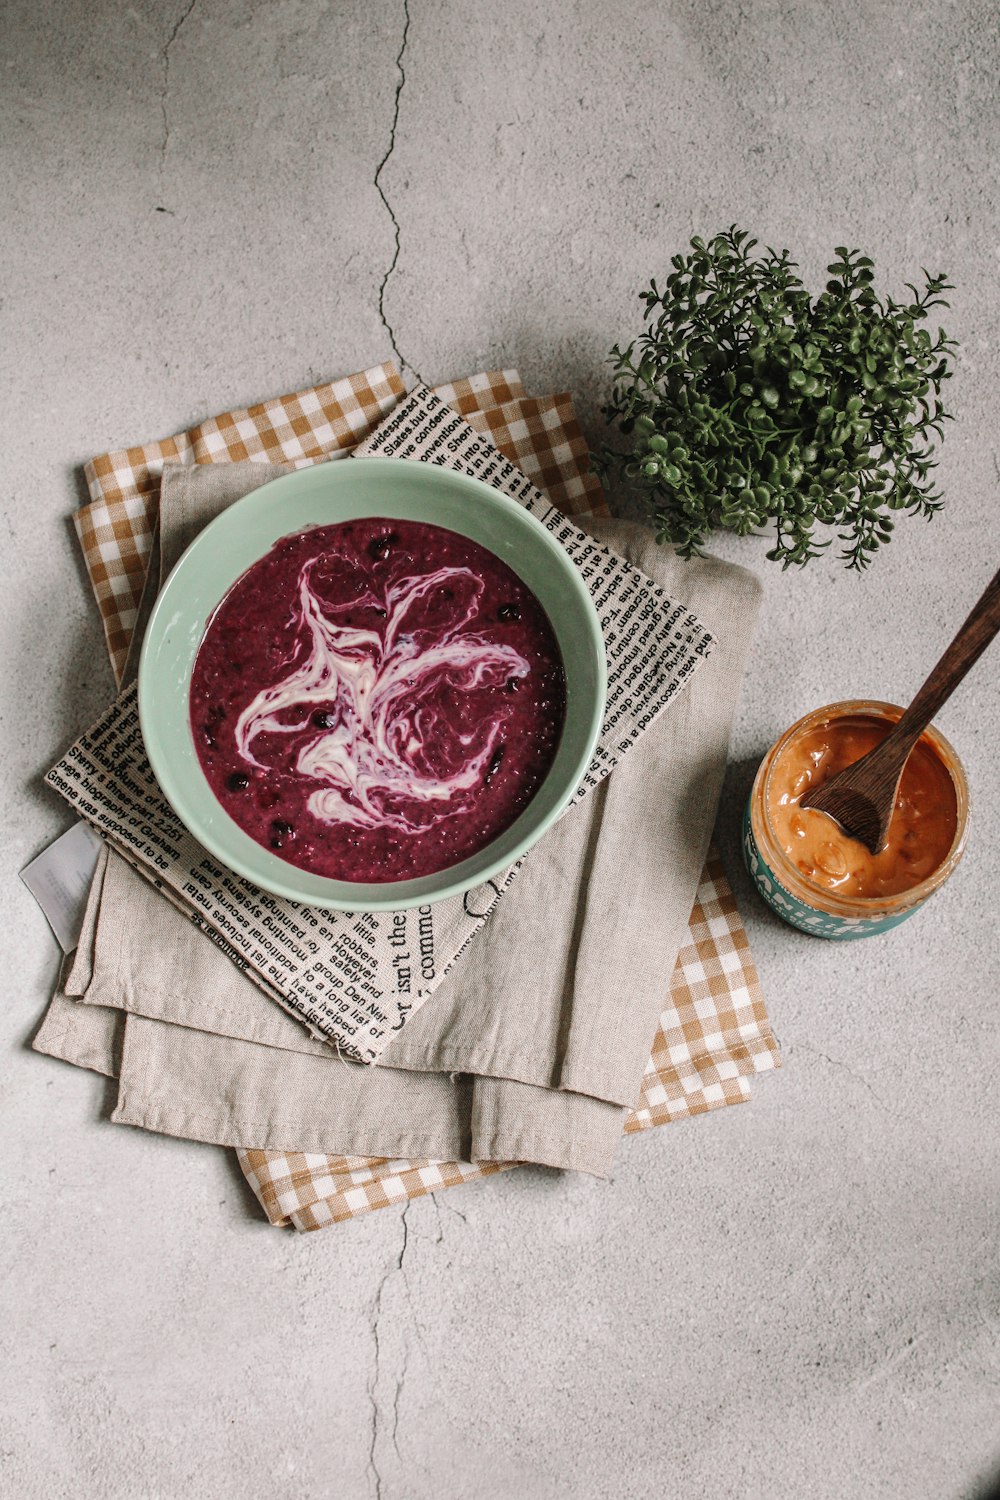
340	972
714	978
713	1034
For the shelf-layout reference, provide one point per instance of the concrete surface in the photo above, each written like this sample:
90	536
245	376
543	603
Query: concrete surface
795	1299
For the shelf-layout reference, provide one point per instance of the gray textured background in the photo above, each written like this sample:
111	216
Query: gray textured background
794	1299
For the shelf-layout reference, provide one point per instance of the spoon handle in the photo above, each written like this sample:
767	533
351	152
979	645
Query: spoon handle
965	650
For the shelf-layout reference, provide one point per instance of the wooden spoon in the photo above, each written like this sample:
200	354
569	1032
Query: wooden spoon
861	798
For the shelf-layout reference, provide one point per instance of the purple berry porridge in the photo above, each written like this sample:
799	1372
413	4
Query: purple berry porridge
377	700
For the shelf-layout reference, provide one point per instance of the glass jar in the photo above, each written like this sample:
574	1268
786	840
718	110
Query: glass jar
811	907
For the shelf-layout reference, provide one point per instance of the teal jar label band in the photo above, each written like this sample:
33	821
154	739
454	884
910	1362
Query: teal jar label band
796	912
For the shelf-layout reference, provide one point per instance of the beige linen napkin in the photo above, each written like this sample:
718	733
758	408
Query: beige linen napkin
355	977
713	1034
537	1009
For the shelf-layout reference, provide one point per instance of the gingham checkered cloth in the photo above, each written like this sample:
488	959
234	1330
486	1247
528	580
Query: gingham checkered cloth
714	1030
116	528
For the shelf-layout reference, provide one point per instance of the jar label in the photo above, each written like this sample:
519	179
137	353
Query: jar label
796	912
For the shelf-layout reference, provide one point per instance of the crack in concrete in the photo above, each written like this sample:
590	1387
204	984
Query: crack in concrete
834	1063
165	90
400	1378
404	363
437	1211
373	1383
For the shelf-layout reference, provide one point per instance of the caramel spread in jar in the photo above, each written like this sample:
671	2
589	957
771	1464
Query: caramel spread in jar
921	831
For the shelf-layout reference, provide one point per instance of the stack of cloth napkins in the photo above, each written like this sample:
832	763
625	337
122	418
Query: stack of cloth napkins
602	985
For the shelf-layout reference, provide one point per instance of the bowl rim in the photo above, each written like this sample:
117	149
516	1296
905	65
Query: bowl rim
392	895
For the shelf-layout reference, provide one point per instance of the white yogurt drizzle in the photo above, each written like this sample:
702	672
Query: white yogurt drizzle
374	688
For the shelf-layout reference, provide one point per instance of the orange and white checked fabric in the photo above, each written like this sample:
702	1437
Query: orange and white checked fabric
116	528
477	393
309	1191
714	1031
551	449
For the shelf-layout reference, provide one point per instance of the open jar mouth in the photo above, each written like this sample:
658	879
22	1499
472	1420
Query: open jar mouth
821	897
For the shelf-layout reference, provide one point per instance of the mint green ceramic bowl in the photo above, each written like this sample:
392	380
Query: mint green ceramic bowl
323	496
